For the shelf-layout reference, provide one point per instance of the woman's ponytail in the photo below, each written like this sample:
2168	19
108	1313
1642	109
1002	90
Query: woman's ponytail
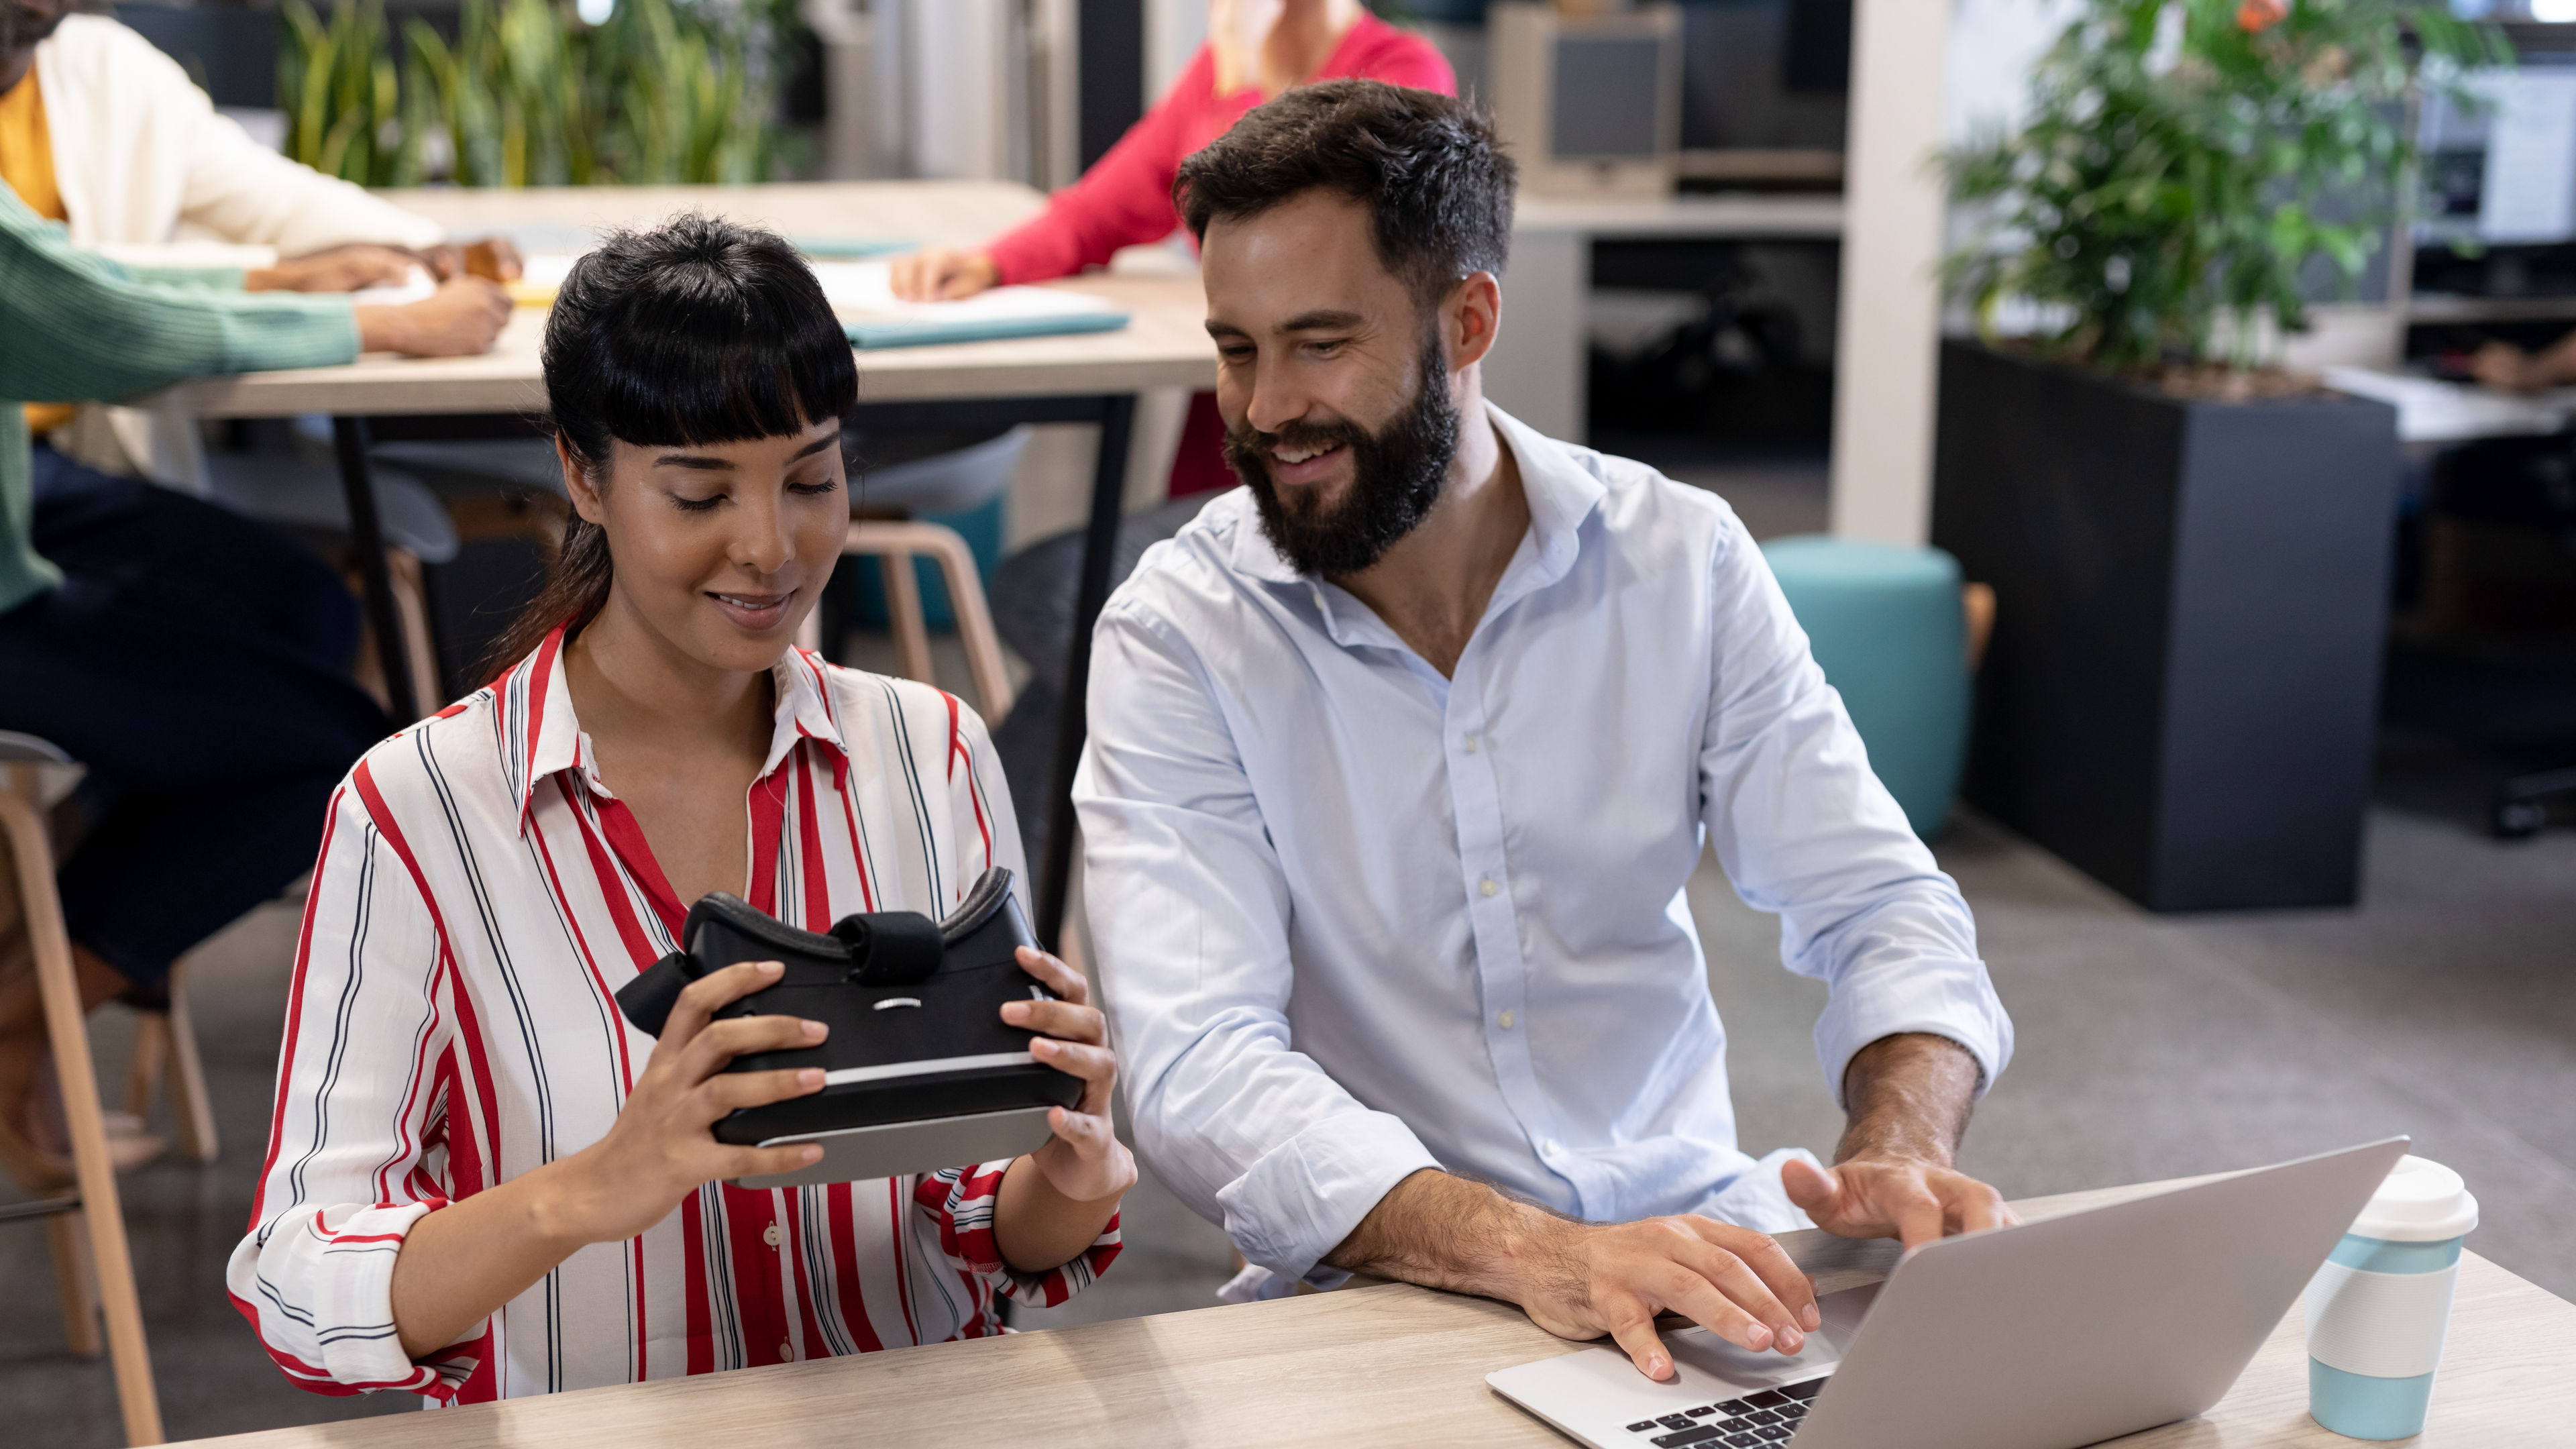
576	586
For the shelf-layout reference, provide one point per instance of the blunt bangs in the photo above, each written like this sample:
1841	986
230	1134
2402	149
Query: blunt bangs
699	331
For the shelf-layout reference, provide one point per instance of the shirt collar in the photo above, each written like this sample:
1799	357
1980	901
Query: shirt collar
1561	494
543	737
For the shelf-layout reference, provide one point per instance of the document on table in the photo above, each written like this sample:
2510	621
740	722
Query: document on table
2432	411
863	294
417	285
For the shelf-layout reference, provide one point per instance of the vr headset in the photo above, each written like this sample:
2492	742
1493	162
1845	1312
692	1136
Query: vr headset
919	1071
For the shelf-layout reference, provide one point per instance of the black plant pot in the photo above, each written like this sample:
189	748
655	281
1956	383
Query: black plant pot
2181	694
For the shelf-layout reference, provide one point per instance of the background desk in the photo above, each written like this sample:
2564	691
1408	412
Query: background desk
1391	1364
1089	378
1539	366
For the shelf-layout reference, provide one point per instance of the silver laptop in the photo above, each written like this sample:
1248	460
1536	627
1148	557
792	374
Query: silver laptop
2053	1334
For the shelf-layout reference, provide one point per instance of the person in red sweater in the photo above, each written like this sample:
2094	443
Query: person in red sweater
1255	50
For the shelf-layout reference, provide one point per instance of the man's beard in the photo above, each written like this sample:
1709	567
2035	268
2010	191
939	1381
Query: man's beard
1397	473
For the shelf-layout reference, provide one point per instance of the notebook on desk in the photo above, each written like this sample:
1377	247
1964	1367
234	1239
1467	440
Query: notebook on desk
863	294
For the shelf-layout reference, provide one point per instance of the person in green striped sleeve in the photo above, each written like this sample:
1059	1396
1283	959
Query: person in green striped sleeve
196	661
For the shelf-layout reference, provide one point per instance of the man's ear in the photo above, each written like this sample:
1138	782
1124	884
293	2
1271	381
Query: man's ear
577	482
1472	316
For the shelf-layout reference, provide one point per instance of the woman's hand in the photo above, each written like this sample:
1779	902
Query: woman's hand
662	1147
461	1263
937	274
1084	1161
351	268
461	319
2505	367
493	258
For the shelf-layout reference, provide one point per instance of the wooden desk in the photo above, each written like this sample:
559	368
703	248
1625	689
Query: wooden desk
1391	1364
1091	378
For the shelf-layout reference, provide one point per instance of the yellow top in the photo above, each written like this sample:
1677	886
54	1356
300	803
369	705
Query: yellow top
27	164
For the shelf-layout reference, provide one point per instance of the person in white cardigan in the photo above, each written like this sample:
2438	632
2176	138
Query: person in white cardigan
143	160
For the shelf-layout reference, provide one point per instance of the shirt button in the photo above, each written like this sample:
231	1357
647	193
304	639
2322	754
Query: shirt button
787	1353
770	1235
1551	1147
1471	744
1486	887
1504	1021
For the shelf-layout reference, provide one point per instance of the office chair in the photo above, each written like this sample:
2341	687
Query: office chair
2499	571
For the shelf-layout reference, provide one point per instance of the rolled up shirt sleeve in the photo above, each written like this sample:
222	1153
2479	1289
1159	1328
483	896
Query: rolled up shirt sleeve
360	1137
957	1206
1805	830
1189	908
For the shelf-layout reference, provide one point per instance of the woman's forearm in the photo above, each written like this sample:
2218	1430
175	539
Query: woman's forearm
461	1263
1037	1227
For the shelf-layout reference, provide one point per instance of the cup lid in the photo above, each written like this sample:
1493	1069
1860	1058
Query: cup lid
2421	1202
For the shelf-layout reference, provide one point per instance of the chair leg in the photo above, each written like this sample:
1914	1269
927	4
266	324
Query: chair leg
1977	608
190	1107
903	606
895	545
67	1029
974	618
151	1055
76	1279
411	597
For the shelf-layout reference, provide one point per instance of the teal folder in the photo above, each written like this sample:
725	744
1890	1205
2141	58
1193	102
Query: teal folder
848	248
925	332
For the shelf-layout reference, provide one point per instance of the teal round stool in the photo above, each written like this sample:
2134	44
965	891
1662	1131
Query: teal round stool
1886	625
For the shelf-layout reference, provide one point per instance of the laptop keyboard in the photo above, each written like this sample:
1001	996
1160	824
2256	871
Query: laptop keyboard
1755	1420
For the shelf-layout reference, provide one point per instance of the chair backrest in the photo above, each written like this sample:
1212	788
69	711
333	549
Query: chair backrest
945	482
26	749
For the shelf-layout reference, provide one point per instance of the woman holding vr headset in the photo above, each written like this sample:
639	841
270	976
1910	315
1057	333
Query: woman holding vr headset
481	1182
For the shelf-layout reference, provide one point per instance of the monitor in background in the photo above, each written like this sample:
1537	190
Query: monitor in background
1589	104
2503	173
2498	212
1762	90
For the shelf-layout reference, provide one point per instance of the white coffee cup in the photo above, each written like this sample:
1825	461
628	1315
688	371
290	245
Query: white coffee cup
2379	1311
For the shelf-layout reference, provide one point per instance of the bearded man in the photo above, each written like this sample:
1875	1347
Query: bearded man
1400	758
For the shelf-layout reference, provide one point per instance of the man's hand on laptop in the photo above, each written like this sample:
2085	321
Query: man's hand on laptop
1909	1097
1583	1280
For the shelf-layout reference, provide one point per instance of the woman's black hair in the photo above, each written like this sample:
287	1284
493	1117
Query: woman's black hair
698	331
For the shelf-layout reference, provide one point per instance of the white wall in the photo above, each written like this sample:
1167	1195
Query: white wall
968	117
1174	30
1993	45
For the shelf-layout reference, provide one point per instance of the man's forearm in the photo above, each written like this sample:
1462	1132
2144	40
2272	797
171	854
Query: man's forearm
1456	1234
1908	1096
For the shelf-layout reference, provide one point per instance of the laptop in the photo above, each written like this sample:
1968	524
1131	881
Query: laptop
2048	1335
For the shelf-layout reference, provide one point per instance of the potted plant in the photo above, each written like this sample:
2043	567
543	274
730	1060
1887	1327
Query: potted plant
538	92
2189	547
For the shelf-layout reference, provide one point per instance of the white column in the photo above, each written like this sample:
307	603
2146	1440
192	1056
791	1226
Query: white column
1174	31
1536	370
1886	358
967	107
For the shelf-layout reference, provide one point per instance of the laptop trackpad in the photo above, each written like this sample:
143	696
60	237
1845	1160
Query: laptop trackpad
1593	1392
1703	1351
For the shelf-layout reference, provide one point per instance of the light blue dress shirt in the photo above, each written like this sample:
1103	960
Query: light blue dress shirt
1354	919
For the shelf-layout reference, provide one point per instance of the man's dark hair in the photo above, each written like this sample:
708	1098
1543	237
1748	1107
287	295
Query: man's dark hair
1426	166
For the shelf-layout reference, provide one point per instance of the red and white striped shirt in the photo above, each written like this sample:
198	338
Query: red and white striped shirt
480	896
